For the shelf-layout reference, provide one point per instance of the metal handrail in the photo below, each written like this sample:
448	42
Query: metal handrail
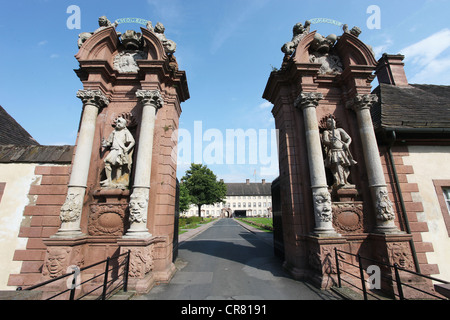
396	279
105	284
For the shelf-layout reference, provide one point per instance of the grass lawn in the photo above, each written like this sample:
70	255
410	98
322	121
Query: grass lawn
185	224
265	224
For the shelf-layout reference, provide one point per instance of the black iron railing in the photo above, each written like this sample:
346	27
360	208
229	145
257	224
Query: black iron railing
395	280
111	282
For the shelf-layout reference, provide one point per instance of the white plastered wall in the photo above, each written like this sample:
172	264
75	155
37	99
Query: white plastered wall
18	179
432	163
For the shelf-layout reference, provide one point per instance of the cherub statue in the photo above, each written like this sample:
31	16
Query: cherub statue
169	45
299	32
119	160
103	23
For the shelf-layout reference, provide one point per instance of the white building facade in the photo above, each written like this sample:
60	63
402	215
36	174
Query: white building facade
242	200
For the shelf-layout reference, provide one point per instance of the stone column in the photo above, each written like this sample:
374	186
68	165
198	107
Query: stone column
307	102
151	101
71	210
385	215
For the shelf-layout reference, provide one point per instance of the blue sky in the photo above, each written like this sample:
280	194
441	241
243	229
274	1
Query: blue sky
226	47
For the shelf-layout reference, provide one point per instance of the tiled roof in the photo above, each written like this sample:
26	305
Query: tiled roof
250	189
13	133
413	106
35	154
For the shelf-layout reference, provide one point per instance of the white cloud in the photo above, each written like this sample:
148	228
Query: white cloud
42	43
428	49
435	72
265	105
382	48
429	59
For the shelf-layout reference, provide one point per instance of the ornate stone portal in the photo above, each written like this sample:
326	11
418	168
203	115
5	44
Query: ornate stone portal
132	91
331	176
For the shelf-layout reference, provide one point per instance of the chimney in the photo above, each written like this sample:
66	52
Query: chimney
263	181
247	181
390	70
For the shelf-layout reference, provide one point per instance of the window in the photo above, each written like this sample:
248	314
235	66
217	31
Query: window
2	189
442	188
447	197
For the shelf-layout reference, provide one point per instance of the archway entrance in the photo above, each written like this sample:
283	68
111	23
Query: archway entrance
240	213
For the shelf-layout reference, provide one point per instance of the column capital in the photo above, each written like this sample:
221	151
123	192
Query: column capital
152	97
308	99
93	97
362	101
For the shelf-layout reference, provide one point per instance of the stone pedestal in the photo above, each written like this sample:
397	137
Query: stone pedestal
396	249
142	275
108	215
322	260
60	257
344	194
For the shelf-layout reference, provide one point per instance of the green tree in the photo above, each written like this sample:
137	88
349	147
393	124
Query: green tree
185	198
203	187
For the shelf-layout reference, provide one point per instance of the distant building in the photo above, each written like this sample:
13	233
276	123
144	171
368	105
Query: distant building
243	199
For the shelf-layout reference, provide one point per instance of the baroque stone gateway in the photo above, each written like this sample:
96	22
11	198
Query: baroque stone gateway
331	192
115	191
132	92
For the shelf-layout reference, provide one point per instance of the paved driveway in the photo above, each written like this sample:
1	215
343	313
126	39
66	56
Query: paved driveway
228	262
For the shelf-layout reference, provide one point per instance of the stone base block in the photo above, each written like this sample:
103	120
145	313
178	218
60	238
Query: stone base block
142	273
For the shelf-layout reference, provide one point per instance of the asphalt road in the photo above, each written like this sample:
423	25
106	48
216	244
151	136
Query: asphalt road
228	262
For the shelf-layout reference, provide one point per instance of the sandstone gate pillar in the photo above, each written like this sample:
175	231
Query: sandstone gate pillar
122	190
384	211
70	216
333	190
307	102
151	101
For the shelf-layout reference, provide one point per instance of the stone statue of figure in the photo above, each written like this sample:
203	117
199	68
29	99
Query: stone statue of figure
103	23
299	32
337	148
119	160
169	46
